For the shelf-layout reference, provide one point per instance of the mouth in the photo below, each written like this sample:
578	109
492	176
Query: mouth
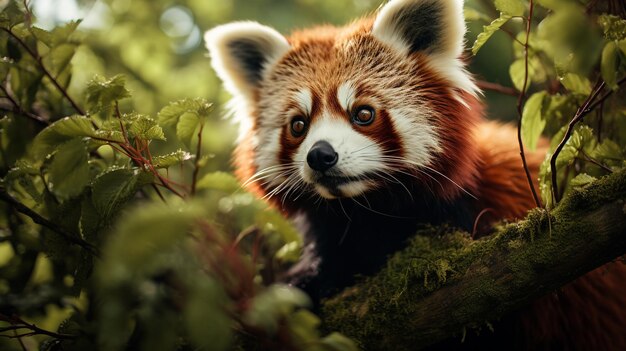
333	186
333	181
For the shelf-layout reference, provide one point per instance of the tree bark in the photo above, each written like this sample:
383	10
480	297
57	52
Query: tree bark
444	282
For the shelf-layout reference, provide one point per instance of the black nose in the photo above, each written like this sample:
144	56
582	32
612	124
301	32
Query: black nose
322	156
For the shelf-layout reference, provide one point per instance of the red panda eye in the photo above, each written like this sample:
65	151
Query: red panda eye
298	126
363	115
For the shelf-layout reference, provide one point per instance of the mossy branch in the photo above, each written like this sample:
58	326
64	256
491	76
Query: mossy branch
444	282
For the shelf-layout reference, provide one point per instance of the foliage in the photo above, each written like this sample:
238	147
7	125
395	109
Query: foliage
555	69
121	227
133	246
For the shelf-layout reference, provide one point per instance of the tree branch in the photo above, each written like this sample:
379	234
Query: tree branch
441	283
37	218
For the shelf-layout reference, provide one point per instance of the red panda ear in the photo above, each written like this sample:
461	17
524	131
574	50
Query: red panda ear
241	52
431	26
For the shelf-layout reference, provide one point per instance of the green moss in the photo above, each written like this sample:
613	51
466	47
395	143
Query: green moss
486	278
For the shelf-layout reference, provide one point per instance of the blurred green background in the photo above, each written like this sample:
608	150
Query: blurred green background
158	45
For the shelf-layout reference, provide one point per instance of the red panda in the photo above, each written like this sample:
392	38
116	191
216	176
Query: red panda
361	133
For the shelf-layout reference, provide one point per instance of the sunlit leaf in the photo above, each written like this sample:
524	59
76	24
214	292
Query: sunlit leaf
533	121
488	32
609	64
173	158
511	7
519	73
186	127
102	93
223	181
61	131
576	83
613	27
581	180
146	128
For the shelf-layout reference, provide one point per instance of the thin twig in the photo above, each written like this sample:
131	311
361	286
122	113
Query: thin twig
18	324
17	108
196	161
485	85
520	104
37	218
588	106
45	71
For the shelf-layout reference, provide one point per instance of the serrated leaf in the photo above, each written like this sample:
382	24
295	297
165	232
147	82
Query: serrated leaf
68	173
609	64
171	159
223	181
533	121
186	127
111	190
576	83
146	128
581	180
488	32
61	131
511	7
102	93
171	113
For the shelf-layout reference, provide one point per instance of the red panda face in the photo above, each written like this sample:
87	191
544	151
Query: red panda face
339	112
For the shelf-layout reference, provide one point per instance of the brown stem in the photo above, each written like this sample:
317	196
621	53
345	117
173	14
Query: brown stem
196	162
37	218
45	71
17	108
18	324
520	105
485	85
588	106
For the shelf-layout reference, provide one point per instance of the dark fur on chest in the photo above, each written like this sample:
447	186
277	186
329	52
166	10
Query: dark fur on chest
348	238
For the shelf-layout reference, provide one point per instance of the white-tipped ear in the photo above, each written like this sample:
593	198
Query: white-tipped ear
430	26
241	52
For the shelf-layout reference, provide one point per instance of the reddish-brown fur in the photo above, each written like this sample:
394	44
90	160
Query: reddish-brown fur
481	156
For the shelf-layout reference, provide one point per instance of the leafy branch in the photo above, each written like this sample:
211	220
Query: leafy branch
37	218
588	106
17	324
520	105
39	60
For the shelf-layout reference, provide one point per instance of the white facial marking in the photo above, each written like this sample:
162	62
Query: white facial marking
346	94
419	137
305	100
358	155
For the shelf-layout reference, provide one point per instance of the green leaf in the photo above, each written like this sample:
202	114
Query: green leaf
61	131
223	181
609	64
613	27
11	15
102	93
170	114
68	173
511	7
339	342
581	180
173	158
488	32
111	190
58	59
517	72
471	14
576	83
145	128
186	127
204	316
277	301
533	121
